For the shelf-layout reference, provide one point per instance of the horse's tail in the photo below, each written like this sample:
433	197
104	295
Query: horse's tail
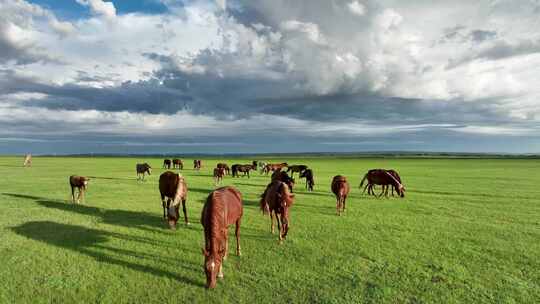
363	180
265	208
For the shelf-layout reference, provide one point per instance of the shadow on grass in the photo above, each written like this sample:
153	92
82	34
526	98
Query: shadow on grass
91	243
112	178
126	218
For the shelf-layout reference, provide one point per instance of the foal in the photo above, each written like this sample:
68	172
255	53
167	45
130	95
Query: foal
340	188
219	173
79	182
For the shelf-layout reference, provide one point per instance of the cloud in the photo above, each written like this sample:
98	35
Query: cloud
100	8
357	8
310	69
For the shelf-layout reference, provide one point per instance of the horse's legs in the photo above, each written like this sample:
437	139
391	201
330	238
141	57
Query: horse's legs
226	240
237	235
344	199
279	226
184	210
220	273
272	221
72	194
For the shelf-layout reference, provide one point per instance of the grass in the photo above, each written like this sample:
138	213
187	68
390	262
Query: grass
468	231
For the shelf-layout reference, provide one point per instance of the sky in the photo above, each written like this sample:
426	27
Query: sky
269	76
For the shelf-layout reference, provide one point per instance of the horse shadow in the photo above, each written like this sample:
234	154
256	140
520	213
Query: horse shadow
112	178
92	242
118	217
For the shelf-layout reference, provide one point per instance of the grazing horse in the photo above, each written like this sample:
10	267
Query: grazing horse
296	168
340	187
242	168
384	178
27	160
197	164
397	177
222	208
219	173
167	164
172	186
142	169
225	167
177	164
308	175
276	200
274	167
79	182
283	177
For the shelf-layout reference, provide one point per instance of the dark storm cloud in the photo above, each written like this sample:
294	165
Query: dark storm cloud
240	97
500	49
481	35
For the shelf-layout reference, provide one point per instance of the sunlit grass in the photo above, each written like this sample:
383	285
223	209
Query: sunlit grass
467	231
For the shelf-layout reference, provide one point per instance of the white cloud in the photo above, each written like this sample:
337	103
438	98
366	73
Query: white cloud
357	8
100	8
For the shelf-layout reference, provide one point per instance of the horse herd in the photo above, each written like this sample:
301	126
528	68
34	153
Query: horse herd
223	206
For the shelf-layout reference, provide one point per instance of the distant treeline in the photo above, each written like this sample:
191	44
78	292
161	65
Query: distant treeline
315	155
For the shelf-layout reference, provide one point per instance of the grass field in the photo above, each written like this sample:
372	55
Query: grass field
468	231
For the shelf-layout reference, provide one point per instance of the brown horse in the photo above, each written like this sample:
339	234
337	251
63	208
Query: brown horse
167	164
283	177
222	208
79	182
340	187
242	168
397	177
27	160
225	167
172	186
177	164
143	169
274	167
296	168
197	164
219	173
384	178
308	175
276	200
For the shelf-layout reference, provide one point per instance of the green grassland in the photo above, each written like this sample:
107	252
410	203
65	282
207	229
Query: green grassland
468	231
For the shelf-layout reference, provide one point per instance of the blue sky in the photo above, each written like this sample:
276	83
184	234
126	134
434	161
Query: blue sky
227	76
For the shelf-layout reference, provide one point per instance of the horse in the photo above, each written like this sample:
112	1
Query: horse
27	160
225	167
296	168
79	182
283	177
340	188
142	169
197	164
177	163
241	168
397	177
277	200
222	208
262	165
381	177
219	173
173	187
308	175
274	167
167	164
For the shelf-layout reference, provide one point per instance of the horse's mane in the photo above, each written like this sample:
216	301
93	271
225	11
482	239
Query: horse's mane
214	218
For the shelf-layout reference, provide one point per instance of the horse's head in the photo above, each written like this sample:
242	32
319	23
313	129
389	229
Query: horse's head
172	216
148	169
212	263
401	190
